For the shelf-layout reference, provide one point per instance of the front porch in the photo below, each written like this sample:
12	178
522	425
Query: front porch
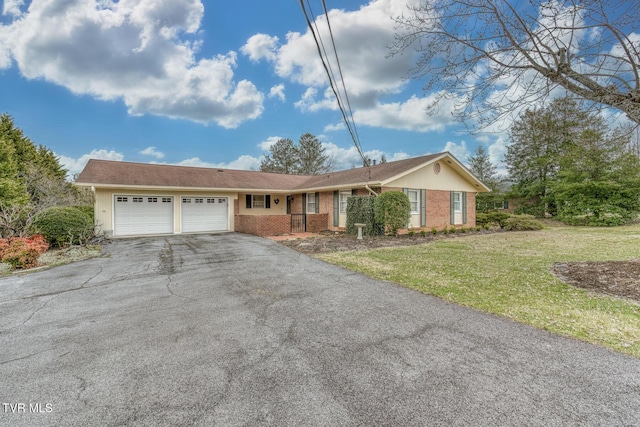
276	225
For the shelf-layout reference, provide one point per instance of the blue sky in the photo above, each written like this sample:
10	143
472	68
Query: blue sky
212	83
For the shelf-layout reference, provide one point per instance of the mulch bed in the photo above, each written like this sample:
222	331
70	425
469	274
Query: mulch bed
616	278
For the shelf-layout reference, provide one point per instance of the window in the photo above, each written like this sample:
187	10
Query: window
414	199
152	199
211	200
222	200
122	199
166	200
344	195
199	200
186	200
457	201
258	201
311	203
138	199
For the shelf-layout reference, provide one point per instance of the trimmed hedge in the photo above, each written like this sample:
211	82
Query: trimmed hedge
392	209
492	218
65	225
360	210
522	223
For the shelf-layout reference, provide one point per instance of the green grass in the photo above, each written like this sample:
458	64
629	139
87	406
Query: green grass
509	274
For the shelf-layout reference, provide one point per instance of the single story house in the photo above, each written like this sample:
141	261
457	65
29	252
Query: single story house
142	199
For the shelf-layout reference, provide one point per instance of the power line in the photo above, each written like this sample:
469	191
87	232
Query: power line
324	58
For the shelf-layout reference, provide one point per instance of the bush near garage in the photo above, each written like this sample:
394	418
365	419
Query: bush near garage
21	252
65	225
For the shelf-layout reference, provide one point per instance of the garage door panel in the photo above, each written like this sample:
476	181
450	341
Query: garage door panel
201	214
137	215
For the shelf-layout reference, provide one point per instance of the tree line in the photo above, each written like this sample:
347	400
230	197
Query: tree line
31	181
565	161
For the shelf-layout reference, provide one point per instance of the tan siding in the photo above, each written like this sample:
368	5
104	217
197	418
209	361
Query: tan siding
104	205
279	208
447	179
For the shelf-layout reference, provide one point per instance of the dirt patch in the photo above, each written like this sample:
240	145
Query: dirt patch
617	278
340	242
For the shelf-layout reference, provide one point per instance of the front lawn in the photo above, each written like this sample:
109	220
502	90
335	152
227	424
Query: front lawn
510	275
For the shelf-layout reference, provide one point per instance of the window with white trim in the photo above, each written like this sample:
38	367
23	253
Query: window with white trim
138	199
166	200
199	200
122	199
311	203
257	201
152	199
414	199
457	201
344	195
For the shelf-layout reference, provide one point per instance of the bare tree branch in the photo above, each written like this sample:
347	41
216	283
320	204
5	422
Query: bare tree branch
498	57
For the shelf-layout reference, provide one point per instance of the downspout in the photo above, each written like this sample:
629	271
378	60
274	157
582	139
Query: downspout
370	190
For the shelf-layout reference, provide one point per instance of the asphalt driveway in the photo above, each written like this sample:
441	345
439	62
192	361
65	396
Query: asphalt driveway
237	330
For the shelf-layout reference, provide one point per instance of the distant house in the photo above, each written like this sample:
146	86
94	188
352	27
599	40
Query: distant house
143	199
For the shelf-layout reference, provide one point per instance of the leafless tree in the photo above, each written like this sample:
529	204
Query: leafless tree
495	58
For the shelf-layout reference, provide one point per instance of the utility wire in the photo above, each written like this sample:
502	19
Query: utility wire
332	81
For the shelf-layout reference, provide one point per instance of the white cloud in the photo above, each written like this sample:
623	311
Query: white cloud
277	91
151	151
346	158
409	115
459	151
140	51
260	46
335	127
244	162
74	166
266	144
12	7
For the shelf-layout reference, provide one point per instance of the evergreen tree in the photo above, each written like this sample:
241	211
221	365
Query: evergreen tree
12	189
538	141
282	157
311	157
306	158
481	166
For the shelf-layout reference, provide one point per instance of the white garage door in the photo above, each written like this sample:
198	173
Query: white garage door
205	214
135	215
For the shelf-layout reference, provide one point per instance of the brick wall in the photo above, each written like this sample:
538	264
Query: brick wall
438	209
317	222
471	209
263	225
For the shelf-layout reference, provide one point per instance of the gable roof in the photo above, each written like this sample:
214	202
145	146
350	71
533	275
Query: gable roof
106	173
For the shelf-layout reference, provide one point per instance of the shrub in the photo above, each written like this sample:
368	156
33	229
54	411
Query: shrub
522	223
65	225
22	252
434	231
392	209
478	228
453	229
360	211
423	232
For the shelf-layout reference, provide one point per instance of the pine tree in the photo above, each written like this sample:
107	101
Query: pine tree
481	166
311	157
282	157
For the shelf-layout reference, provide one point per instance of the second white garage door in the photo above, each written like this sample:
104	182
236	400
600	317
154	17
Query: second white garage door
201	214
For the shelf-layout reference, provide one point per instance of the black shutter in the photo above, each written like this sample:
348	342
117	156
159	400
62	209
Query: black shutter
267	201
248	201
304	203
354	191
317	196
